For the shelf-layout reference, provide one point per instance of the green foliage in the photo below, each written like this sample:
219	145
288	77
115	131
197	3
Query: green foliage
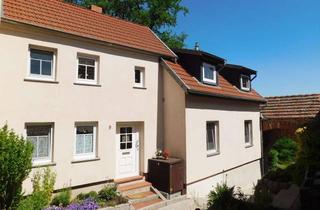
159	15
63	198
37	201
108	193
221	196
262	196
283	153
16	164
43	181
83	196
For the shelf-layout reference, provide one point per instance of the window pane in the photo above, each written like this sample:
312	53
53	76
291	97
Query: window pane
208	72
123	138
137	76
79	143
211	136
46	68
38	130
248	132
129	145
41	55
90	72
84	129
35	67
123	146
43	146
88	143
129	137
81	72
34	141
87	61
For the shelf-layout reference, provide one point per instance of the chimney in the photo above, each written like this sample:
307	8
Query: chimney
96	8
197	46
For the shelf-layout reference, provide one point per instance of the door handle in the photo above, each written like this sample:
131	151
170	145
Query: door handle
137	145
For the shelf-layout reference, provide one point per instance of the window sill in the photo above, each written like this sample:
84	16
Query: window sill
85	160
141	88
86	84
212	154
40	165
40	80
248	145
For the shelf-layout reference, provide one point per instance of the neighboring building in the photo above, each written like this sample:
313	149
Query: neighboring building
283	115
82	86
212	121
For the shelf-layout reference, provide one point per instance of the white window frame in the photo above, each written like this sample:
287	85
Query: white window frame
85	156
250	142
207	80
53	65
241	82
42	161
142	77
96	69
217	141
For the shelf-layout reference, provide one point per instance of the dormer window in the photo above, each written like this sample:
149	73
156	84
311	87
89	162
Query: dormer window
245	82
209	74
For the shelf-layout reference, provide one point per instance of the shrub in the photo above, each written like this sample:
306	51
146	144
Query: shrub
36	201
108	193
62	199
90	195
16	164
221	197
43	181
283	153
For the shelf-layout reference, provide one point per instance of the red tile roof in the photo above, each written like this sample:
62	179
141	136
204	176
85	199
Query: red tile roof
64	17
224	89
290	107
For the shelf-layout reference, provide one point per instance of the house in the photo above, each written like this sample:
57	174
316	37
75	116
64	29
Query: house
212	121
97	96
83	87
283	115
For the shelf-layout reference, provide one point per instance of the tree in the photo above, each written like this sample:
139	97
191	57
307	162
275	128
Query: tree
159	15
15	165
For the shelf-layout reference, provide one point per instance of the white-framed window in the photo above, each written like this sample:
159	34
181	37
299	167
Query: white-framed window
209	74
245	82
41	64
41	136
248	132
85	142
139	77
87	69
212	138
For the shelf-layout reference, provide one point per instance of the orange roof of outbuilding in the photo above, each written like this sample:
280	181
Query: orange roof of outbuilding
69	18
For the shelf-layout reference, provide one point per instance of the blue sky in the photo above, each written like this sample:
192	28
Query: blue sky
279	38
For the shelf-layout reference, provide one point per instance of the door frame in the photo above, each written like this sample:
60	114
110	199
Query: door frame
135	146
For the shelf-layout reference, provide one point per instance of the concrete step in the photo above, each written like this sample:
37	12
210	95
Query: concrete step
145	204
142	197
134	188
128	179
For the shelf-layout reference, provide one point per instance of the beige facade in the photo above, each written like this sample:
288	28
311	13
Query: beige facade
64	103
187	115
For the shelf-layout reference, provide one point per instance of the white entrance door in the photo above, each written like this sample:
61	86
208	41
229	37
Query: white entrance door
127	152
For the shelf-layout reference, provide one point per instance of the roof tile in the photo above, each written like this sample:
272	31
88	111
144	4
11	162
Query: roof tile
224	89
72	19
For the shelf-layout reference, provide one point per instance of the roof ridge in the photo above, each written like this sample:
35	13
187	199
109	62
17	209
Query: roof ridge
102	14
291	96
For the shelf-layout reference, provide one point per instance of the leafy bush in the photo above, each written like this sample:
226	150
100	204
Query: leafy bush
262	196
221	197
283	153
62	199
16	164
36	201
90	195
108	193
43	181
